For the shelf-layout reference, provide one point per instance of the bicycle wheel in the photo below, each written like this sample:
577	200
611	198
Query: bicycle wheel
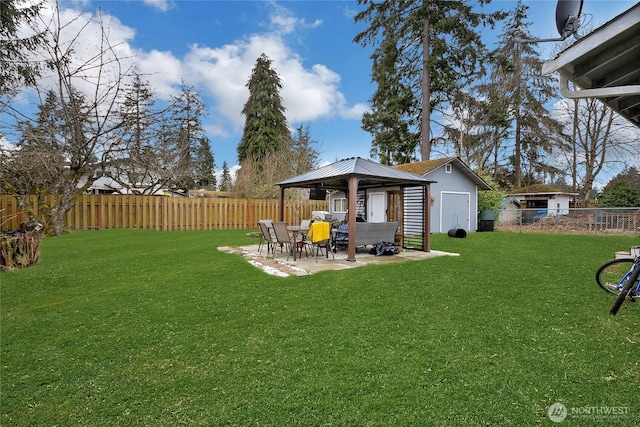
611	272
628	288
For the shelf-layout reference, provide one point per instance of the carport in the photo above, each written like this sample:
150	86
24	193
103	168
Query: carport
350	175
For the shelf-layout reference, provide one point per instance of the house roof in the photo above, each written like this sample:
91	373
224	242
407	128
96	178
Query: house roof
539	190
508	200
369	173
536	188
425	167
605	64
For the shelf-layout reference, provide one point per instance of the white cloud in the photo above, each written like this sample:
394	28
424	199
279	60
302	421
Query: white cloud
307	93
162	70
284	22
90	41
161	5
220	73
216	130
356	111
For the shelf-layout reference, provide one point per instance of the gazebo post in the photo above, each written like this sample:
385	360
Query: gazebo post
426	214
281	204
351	220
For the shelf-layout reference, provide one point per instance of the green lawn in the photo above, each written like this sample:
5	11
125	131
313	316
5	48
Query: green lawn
130	327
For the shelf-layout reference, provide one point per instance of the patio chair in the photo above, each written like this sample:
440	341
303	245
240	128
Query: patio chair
300	237
319	237
266	237
282	238
341	237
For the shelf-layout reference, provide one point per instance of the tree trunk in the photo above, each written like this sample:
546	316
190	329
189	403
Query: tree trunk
425	145
19	250
517	155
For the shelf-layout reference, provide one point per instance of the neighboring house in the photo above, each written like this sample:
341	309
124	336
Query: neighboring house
542	200
454	193
510	211
104	183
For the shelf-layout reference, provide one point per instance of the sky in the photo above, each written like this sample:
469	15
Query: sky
212	45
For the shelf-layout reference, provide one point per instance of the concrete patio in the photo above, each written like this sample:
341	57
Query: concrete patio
307	265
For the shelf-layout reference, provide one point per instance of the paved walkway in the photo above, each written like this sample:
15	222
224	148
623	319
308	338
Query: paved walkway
307	265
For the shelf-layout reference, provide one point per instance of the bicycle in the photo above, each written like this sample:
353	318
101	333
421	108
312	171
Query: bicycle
621	277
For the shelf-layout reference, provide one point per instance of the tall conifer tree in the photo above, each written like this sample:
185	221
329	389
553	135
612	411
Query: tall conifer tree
265	127
434	48
526	91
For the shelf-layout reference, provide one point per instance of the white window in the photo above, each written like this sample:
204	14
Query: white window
447	168
340	205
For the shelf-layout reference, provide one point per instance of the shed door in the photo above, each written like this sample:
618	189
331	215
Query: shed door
455	211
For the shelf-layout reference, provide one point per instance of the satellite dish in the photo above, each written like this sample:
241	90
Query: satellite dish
568	16
567	21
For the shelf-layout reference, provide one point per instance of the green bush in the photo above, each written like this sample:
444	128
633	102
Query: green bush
619	194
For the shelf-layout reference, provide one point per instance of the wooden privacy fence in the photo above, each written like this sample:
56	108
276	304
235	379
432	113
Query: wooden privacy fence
96	212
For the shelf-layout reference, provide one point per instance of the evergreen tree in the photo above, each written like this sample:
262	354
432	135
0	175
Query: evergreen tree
630	174
226	182
495	119
139	162
394	118
255	179
303	155
265	128
526	91
38	165
437	50
205	165
620	193
186	138
15	67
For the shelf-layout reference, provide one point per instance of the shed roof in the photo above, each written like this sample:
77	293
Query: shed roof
370	175
425	167
605	64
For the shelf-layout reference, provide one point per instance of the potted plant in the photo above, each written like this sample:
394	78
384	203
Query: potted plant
489	205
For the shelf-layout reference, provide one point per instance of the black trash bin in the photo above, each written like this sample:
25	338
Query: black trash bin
487	219
486	225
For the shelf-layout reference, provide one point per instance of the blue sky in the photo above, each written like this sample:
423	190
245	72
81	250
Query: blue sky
213	45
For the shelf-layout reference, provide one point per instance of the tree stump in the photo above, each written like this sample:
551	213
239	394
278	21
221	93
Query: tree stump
19	249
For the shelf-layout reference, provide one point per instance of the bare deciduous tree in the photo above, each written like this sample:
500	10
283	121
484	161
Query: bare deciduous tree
86	89
600	138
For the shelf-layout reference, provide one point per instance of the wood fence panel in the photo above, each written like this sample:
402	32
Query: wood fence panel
103	211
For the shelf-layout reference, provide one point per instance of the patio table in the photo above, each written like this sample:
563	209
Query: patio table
297	230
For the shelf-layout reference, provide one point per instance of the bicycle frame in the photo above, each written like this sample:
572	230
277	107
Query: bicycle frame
630	287
623	280
621	277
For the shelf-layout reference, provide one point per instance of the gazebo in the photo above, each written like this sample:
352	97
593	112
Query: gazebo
351	175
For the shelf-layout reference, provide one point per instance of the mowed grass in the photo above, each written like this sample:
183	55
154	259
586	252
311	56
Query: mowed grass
131	327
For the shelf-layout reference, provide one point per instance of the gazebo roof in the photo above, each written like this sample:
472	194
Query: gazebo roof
369	173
